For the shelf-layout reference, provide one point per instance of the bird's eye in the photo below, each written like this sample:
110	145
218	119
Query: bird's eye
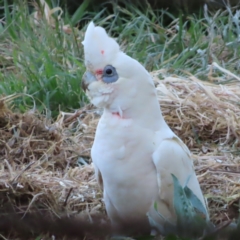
109	71
109	74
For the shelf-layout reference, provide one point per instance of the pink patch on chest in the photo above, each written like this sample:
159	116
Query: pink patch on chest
102	52
117	115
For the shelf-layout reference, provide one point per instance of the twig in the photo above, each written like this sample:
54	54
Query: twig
3	237
68	195
27	167
225	71
77	114
32	201
223	171
9	167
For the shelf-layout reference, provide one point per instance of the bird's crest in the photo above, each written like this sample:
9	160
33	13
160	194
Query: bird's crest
99	48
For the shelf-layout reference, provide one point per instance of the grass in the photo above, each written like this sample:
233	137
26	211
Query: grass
39	59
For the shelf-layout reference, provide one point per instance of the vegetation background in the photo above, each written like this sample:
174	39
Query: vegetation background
45	63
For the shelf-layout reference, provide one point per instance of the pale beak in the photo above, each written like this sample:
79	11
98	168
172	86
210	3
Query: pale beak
87	79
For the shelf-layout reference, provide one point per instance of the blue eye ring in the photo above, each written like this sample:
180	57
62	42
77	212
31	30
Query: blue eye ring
109	74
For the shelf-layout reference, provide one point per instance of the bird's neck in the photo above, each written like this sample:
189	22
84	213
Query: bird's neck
146	114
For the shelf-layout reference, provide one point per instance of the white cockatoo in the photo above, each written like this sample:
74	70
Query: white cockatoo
134	150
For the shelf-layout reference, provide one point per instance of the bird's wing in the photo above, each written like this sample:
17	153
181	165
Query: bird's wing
173	157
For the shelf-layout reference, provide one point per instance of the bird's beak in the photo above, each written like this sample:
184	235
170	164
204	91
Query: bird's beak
87	79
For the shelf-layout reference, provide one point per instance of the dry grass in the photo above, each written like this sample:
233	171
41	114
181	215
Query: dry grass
47	165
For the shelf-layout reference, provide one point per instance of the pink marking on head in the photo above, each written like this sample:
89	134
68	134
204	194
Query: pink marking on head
99	72
102	52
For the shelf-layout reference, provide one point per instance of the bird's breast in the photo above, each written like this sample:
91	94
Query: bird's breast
122	152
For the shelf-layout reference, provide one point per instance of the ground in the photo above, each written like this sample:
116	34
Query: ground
48	165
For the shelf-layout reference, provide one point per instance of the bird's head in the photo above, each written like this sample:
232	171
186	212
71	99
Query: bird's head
113	80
